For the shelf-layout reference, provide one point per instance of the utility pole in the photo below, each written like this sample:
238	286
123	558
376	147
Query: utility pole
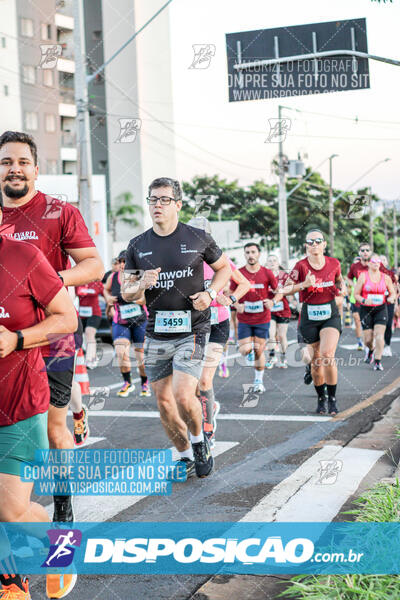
396	256
371	222
385	229
331	221
283	220
83	129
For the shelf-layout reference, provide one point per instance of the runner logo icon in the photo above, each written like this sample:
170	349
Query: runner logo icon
62	550
3	313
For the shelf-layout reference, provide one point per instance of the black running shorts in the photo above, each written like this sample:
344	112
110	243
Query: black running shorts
373	315
309	329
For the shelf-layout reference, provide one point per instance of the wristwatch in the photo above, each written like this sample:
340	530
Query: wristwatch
212	293
233	298
20	340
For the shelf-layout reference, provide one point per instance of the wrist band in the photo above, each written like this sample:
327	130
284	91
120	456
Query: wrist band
61	277
20	341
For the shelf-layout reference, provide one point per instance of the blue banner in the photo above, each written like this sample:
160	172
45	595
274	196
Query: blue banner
203	548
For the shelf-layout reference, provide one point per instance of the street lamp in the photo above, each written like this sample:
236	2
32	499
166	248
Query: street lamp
331	223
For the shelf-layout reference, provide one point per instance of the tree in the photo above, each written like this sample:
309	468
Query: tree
123	211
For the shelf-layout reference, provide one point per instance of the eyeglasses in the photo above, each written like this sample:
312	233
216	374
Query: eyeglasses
164	200
365	250
315	241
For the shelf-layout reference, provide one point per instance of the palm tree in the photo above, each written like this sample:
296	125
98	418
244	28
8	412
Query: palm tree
123	211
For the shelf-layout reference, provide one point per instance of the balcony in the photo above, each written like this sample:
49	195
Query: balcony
66	65
66	109
69	154
63	22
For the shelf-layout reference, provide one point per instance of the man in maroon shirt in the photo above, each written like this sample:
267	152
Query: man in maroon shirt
58	230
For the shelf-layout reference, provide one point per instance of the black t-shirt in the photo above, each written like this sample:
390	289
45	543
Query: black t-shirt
180	256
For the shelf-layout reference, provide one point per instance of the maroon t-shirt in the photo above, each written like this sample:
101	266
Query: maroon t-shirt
262	282
325	289
27	281
283	276
88	295
53	226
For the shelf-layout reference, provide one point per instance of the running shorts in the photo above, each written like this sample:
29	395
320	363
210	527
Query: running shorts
93	321
19	441
134	333
162	357
354	308
280	320
260	331
220	333
310	329
373	315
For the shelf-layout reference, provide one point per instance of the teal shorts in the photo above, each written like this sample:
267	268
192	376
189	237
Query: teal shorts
18	443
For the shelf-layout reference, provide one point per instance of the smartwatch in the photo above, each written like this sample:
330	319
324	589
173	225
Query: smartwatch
61	277
233	298
212	293
20	341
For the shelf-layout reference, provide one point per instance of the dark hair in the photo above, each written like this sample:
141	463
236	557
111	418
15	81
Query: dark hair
252	244
363	244
164	182
22	138
315	230
122	255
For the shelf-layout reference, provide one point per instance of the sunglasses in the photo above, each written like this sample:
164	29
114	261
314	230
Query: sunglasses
375	261
365	250
315	241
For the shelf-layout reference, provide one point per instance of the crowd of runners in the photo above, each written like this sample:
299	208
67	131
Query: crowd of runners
179	302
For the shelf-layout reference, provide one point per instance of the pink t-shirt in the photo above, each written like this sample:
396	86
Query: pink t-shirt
223	311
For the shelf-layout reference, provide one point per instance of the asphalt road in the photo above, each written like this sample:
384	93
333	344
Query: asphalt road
267	437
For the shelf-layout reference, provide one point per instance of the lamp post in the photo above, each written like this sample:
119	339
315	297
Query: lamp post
331	221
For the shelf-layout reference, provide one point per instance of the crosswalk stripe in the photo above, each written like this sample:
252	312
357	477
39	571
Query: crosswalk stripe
96	508
153	414
300	497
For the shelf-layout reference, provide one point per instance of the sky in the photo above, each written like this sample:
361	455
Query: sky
213	136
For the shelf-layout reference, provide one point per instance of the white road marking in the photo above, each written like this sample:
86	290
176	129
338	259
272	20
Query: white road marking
90	441
154	414
300	497
103	508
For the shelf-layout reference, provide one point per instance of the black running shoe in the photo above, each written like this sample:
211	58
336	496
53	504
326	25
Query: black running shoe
321	407
332	408
203	459
189	465
63	511
307	375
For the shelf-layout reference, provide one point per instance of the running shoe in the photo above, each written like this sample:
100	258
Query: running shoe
387	351
273	359
63	509
126	389
307	375
378	367
332	408
269	364
258	388
282	364
211	439
81	428
60	585
251	358
321	406
14	592
189	465
360	346
92	365
369	356
223	371
203	459
145	390
231	341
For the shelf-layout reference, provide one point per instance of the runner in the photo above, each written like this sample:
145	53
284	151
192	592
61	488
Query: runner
370	291
356	268
280	317
220	317
114	268
316	277
254	314
387	351
170	256
58	229
128	327
27	281
90	314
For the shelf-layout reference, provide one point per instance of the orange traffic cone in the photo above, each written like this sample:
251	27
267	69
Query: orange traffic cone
81	374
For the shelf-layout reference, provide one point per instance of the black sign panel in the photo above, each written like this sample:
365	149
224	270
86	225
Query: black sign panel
337	73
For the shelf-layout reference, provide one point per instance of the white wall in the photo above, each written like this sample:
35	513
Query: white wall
10	106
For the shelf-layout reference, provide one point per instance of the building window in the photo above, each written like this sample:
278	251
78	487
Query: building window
27	27
100	120
45	31
31	121
50	123
48	77
97	34
3	42
5	90
52	167
102	164
28	74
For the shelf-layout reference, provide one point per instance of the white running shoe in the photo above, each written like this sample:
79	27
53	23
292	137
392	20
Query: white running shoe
282	364
258	388
387	351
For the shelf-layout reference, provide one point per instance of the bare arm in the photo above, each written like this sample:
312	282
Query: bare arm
358	288
392	292
243	284
89	267
222	273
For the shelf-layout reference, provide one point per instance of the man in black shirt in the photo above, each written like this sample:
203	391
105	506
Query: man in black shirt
166	262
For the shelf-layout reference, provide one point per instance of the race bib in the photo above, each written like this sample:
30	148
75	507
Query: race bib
128	311
319	312
173	321
214	315
254	307
278	307
85	311
375	298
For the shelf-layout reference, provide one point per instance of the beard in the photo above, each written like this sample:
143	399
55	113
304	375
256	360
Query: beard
11	192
